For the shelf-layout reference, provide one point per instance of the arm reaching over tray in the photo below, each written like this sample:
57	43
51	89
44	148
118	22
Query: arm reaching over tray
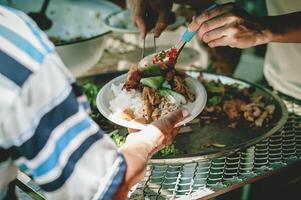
230	25
140	146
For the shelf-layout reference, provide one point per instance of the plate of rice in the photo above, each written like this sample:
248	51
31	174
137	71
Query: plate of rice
135	106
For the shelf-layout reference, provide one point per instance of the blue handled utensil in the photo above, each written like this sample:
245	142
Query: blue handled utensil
188	35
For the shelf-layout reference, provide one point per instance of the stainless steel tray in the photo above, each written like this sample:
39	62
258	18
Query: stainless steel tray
191	145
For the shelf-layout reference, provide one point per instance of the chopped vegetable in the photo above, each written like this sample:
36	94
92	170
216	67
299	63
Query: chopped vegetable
165	84
169	150
215	87
153	82
214	100
151	70
90	90
166	57
118	139
173	96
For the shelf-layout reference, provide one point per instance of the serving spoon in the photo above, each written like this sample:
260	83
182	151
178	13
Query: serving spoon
40	17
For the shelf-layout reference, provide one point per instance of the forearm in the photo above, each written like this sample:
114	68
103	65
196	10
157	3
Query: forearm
137	154
283	28
136	163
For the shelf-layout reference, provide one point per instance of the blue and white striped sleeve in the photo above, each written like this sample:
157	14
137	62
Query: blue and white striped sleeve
46	130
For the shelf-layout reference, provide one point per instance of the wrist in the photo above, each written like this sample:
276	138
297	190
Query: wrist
147	141
268	34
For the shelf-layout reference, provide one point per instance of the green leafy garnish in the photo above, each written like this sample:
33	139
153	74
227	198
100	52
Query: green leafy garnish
169	150
215	87
153	82
90	90
215	100
118	139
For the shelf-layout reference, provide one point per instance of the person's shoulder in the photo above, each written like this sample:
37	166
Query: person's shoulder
23	46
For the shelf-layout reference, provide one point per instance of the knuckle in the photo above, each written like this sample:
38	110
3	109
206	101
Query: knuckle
232	17
206	37
206	15
212	44
206	26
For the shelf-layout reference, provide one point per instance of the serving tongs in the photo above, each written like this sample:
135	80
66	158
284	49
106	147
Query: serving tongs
143	47
186	37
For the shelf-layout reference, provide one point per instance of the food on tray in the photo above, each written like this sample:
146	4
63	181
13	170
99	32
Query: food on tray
235	104
169	150
151	92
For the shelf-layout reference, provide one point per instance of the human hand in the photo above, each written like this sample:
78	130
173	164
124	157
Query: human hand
158	134
229	25
148	14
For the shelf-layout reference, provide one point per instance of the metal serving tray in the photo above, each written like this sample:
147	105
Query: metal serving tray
193	145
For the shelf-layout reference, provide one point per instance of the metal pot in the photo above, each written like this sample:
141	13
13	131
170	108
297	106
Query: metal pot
77	29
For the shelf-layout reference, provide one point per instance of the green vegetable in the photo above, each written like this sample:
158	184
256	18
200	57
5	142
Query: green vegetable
215	100
153	82
151	70
90	90
215	87
118	139
169	150
218	145
173	96
165	84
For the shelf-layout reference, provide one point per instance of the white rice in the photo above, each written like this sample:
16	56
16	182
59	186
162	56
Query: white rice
126	99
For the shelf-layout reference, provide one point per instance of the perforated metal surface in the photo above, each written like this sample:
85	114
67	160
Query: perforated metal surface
210	177
193	180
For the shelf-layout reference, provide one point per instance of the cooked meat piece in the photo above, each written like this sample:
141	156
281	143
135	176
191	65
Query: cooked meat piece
154	97
169	75
141	120
150	98
211	109
151	95
147	109
260	120
133	79
156	114
256	112
180	87
257	99
128	85
166	107
270	109
128	114
233	108
190	96
133	74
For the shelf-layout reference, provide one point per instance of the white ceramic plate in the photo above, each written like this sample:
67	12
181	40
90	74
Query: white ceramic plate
121	21
105	95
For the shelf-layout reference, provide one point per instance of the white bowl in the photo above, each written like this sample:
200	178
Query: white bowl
79	24
105	95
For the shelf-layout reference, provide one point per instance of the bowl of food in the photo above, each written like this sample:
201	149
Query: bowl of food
146	94
121	21
77	29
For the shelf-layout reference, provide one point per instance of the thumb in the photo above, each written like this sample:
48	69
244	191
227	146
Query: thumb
171	120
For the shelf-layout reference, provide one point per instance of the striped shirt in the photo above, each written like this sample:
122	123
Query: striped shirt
44	128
